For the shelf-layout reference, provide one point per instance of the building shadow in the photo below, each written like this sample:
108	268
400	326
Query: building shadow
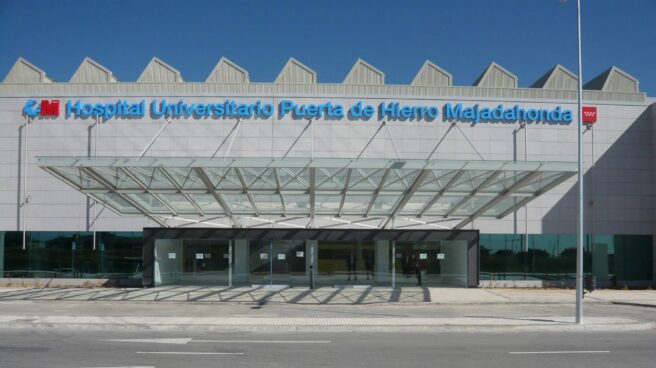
618	204
619	176
259	295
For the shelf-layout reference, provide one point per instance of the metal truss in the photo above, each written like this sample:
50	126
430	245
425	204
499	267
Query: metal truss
308	193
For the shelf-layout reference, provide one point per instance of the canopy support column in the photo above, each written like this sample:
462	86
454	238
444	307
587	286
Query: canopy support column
111	188
187	197
439	194
406	197
505	194
210	187
543	190
471	195
346	185
312	194
376	193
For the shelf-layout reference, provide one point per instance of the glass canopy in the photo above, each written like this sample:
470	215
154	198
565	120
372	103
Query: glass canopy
274	189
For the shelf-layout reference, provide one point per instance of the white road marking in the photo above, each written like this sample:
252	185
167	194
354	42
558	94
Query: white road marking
186	353
267	341
561	352
127	366
178	341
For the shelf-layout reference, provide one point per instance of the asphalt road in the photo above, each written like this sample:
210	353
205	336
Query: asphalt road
58	348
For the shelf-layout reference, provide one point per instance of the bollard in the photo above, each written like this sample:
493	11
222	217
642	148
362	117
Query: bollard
591	283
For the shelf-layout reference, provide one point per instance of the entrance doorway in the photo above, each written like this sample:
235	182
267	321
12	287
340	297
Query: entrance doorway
206	262
347	263
335	257
429	263
278	262
194	262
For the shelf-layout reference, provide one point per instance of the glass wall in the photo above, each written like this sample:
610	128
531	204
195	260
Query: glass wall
205	261
426	263
118	255
289	266
234	262
259	262
347	263
613	259
15	259
193	261
622	257
288	262
278	262
552	257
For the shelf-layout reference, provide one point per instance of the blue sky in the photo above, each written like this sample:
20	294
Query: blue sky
527	37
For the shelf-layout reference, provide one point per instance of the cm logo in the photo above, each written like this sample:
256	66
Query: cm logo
589	114
46	108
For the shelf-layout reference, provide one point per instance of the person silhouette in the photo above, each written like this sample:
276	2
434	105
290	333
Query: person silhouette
369	264
351	260
417	270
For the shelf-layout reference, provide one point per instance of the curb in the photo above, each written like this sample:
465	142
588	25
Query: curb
335	328
269	302
400	329
634	304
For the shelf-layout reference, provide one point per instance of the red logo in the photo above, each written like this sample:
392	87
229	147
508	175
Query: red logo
49	108
589	114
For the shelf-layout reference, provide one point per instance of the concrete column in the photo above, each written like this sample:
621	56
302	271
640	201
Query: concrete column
653	254
311	256
600	261
2	254
454	265
240	266
168	261
382	266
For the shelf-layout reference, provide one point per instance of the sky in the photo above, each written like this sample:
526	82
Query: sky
527	37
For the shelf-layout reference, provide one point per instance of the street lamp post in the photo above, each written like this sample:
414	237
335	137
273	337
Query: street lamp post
579	230
579	130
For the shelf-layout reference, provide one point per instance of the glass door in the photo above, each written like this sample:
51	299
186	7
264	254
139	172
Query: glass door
430	263
346	263
288	260
205	262
278	262
259	262
417	263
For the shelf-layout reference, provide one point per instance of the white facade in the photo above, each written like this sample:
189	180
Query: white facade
620	161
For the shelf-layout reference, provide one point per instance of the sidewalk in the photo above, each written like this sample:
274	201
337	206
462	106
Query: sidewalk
331	296
326	309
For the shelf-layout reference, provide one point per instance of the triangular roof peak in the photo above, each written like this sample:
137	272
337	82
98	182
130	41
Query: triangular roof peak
432	75
226	71
364	73
295	72
91	71
614	79
157	71
557	78
561	68
24	72
496	76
